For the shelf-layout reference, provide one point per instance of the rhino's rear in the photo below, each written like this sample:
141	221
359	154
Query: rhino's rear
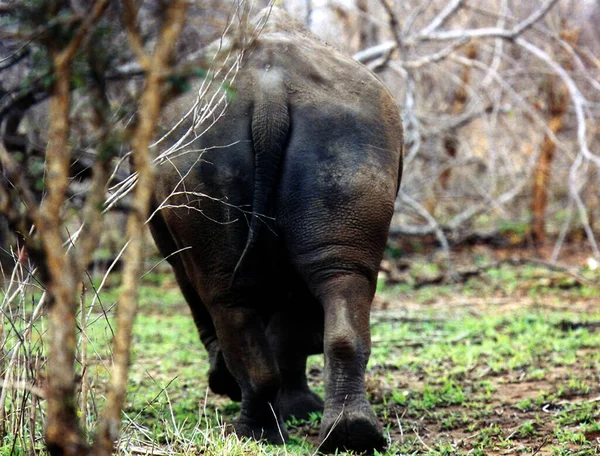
301	174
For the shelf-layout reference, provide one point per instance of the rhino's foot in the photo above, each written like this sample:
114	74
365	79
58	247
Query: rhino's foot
276	435
220	379
352	427
299	404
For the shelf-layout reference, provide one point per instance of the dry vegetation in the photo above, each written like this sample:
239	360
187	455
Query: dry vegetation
500	107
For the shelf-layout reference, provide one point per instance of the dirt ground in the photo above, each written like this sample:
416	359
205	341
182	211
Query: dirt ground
503	361
548	405
515	401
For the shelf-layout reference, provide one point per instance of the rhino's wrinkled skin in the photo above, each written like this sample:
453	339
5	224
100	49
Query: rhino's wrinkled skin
314	144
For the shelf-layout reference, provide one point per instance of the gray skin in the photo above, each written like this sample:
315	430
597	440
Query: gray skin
314	143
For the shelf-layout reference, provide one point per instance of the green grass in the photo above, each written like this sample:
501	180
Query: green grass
441	381
453	376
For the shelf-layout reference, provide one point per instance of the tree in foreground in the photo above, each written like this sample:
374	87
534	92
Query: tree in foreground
73	99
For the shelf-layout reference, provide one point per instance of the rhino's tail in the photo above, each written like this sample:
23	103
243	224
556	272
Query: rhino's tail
270	127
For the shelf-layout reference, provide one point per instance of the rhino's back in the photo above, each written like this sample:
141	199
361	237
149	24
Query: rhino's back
341	157
315	74
322	86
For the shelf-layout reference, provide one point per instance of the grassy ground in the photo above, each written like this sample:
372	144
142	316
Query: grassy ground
506	363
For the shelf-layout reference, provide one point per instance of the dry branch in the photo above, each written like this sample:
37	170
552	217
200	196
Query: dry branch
429	33
62	431
150	106
503	93
557	100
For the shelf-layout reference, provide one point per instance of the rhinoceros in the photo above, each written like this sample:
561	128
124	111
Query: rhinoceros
275	221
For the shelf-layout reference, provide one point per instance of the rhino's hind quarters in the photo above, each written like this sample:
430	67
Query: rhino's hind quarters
270	127
310	150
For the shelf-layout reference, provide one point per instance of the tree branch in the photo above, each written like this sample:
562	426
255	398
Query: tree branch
150	106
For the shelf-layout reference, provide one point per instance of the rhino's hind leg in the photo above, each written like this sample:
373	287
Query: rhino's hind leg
348	420
294	335
220	379
297	399
249	358
299	402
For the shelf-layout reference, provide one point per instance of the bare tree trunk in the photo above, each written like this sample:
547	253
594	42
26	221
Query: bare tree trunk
62	431
557	96
541	176
63	267
157	67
